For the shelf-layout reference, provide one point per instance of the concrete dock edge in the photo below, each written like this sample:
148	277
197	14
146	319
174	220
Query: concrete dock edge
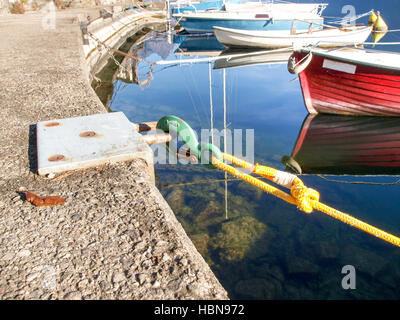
115	237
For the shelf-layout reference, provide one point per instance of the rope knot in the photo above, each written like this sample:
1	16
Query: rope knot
304	196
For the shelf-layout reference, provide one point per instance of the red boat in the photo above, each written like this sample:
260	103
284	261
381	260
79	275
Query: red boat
349	81
332	144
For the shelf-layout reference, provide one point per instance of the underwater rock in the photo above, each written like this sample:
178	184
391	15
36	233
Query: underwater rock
294	291
363	260
258	288
390	274
326	250
246	196
372	290
207	214
299	265
200	241
271	270
176	197
330	287
242	238
211	210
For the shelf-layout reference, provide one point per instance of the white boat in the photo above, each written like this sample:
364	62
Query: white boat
257	17
184	6
331	37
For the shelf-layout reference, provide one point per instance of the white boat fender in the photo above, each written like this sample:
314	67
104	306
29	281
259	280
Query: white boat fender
297	67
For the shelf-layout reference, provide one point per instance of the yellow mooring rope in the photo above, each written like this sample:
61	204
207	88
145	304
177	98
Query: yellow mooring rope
306	199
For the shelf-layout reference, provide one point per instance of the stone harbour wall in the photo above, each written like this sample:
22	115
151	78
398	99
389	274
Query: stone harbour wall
115	237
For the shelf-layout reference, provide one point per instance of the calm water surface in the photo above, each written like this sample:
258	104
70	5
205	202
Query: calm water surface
268	249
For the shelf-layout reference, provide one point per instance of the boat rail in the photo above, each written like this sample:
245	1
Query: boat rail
318	7
269	5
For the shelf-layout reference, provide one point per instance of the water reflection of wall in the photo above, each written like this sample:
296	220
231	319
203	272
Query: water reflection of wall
139	46
111	72
128	70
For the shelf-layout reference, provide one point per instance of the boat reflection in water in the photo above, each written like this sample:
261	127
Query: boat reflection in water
202	45
332	144
208	46
235	58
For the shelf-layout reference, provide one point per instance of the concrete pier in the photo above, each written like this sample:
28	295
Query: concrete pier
115	237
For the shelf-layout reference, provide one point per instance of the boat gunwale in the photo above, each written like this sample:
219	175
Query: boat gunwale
330	55
248	17
292	36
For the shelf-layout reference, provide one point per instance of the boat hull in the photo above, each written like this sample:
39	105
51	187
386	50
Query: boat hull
207	45
200	24
337	145
282	39
237	5
334	86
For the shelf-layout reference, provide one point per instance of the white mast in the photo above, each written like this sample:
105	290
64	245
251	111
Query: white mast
211	103
226	174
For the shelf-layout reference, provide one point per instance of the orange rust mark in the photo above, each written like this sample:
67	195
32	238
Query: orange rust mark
56	157
88	134
52	124
43	201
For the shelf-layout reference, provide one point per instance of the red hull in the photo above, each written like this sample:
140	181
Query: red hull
368	90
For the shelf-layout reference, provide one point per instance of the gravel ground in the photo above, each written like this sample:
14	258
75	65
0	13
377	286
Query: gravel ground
115	237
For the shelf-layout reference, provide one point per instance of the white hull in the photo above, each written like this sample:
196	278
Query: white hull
248	15
281	39
315	8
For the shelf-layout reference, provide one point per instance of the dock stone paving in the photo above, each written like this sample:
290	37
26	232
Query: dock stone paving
115	237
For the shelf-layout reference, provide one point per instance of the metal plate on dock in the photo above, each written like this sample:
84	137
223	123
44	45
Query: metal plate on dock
82	142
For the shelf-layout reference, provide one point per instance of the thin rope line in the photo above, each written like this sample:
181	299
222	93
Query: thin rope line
360	182
191	98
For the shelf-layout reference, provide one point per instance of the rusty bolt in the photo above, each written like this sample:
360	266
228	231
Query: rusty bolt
88	134
56	157
52	124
